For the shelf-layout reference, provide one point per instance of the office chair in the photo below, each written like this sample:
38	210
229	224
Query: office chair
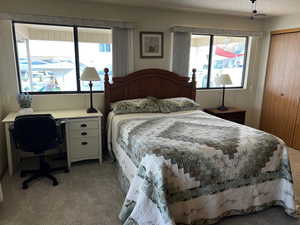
37	134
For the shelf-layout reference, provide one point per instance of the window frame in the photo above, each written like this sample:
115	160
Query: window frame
210	61
76	55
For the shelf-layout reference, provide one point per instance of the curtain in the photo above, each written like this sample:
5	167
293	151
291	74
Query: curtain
1	195
122	51
181	52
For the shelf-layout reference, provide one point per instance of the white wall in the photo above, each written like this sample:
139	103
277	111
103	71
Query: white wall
147	20
3	161
283	22
3	158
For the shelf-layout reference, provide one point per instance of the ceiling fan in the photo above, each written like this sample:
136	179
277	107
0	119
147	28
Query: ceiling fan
255	13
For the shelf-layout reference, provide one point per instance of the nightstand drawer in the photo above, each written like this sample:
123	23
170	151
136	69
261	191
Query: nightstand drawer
84	146
238	117
232	114
84	124
82	133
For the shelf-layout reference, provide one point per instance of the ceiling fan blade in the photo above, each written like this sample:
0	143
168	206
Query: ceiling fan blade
260	15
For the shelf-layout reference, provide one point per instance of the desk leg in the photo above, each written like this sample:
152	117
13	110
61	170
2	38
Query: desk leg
67	136
9	150
100	142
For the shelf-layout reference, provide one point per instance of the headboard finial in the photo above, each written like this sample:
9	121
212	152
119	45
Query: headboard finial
194	80
106	78
194	74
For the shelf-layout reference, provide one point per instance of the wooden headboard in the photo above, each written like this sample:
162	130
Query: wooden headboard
149	82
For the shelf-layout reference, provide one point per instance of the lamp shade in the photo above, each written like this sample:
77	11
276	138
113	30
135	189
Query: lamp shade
90	74
224	79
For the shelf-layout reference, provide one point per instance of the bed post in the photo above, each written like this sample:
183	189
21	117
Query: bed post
194	83
106	92
106	111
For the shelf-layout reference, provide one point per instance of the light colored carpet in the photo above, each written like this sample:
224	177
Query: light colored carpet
90	195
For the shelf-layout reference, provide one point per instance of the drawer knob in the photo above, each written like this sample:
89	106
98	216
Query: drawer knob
84	133
84	143
83	125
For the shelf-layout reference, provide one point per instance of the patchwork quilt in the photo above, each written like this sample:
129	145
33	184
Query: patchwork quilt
196	168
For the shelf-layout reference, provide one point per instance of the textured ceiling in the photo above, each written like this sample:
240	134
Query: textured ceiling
233	7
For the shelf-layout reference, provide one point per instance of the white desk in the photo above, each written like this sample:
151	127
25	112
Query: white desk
81	128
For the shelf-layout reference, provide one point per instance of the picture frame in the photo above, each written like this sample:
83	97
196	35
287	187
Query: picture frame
151	44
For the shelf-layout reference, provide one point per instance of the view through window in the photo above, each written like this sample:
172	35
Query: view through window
94	51
47	57
199	58
213	56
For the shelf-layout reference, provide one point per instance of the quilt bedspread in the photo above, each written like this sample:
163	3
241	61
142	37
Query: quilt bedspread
196	169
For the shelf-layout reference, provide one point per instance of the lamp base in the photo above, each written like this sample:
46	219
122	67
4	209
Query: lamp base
91	110
222	108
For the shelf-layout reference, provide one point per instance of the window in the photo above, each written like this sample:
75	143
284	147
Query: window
51	58
90	54
199	58
215	55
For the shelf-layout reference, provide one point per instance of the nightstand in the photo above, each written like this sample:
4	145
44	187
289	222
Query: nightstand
232	114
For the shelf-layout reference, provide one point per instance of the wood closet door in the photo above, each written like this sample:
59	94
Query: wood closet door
281	94
296	139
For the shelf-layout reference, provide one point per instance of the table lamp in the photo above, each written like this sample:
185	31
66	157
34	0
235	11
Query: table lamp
223	80
90	74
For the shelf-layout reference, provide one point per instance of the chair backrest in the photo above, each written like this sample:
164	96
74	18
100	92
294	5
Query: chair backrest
35	133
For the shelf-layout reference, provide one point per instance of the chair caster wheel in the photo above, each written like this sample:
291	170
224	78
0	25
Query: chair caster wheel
55	183
22	174
67	171
24	186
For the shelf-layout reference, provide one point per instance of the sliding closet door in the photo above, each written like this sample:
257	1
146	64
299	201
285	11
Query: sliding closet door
292	86
296	139
282	87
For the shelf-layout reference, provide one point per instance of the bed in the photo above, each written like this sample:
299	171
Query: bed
189	167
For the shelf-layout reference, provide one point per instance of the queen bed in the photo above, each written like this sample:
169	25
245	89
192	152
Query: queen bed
185	166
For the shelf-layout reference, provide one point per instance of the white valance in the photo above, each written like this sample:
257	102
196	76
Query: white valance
212	31
66	20
95	36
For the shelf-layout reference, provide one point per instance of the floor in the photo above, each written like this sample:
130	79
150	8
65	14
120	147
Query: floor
90	195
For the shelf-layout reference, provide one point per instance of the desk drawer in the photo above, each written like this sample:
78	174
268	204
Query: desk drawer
84	133
84	124
84	146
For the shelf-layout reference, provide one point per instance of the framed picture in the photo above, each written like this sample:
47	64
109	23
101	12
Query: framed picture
152	44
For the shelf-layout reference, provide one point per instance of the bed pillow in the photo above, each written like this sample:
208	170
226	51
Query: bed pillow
168	105
138	105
